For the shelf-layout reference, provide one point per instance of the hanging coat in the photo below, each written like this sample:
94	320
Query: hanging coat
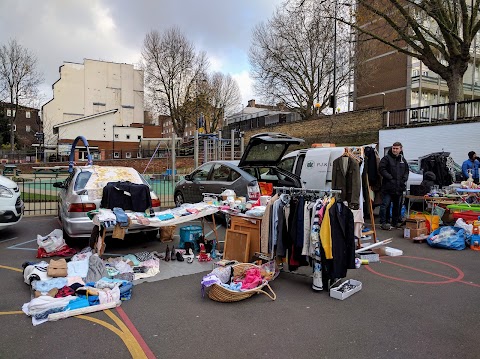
348	181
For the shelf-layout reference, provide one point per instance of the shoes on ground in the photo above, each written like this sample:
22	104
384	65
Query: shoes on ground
167	254
386	226
179	257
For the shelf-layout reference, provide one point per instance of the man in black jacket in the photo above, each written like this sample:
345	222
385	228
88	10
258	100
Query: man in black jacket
394	171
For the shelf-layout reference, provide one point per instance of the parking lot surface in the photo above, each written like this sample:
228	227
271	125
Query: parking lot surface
423	304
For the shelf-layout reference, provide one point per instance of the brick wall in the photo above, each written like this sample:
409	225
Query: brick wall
350	128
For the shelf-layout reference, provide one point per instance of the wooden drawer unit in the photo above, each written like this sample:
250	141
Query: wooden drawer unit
250	225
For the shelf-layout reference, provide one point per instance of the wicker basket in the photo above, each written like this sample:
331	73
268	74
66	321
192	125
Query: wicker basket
221	294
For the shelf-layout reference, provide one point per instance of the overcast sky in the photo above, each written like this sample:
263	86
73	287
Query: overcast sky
113	30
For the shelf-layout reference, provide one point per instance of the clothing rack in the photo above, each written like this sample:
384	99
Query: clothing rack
304	190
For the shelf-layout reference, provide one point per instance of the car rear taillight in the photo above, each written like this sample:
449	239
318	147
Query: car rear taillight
253	191
81	207
155	202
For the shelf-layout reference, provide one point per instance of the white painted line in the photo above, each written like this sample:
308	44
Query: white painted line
23	249
10	239
19	244
217	227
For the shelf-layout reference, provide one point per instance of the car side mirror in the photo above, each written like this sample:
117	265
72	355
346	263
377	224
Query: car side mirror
58	185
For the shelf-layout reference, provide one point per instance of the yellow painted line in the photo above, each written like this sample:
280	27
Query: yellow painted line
12	312
130	342
124	333
12	268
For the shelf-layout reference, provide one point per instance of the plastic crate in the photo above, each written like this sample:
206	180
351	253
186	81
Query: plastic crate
190	234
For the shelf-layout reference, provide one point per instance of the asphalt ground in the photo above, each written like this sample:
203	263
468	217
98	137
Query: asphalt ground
424	304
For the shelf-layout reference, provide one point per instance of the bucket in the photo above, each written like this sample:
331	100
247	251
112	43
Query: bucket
190	234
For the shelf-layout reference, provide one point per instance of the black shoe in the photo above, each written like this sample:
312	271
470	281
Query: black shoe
167	254
172	255
179	257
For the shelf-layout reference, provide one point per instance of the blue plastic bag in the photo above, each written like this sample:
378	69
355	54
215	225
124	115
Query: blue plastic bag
447	238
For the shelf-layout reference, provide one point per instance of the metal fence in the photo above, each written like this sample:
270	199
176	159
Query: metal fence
457	111
41	198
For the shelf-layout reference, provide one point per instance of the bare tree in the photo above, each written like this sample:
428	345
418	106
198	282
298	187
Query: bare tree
19	79
438	33
171	67
292	56
223	96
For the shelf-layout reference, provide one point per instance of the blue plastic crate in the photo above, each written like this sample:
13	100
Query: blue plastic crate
190	234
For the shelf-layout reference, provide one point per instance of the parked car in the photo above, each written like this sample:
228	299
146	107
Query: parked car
11	205
258	164
74	202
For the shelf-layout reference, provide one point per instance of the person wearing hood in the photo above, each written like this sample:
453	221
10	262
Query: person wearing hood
394	171
472	165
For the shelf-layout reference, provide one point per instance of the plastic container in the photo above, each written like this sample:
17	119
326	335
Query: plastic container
190	234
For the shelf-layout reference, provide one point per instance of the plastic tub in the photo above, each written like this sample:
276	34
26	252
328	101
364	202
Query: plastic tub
190	234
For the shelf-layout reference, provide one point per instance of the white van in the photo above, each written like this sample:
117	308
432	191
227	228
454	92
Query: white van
314	166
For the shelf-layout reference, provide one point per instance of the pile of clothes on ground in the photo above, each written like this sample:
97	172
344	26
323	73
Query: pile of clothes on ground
83	281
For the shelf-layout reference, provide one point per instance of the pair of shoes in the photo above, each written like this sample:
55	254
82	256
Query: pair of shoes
386	226
167	254
397	226
179	257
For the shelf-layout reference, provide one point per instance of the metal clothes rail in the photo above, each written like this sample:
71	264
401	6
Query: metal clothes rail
304	190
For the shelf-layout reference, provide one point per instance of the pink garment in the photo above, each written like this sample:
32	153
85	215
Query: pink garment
252	278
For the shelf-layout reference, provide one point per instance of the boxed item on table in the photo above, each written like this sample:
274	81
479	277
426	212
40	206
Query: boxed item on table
346	289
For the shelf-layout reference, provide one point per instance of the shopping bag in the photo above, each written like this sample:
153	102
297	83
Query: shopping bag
52	241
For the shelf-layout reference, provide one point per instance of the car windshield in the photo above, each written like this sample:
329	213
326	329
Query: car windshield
82	180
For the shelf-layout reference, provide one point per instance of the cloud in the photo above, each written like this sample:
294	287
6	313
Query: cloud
246	86
113	30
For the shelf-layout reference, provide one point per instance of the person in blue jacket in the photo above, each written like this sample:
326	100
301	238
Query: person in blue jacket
471	164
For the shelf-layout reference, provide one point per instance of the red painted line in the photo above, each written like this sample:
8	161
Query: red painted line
449	280
135	333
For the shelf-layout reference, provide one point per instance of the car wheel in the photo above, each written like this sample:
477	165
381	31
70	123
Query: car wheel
178	198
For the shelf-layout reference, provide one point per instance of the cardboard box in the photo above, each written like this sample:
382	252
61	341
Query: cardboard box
412	233
415	223
338	294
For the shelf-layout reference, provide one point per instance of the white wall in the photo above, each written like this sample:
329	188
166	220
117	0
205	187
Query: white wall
458	139
94	87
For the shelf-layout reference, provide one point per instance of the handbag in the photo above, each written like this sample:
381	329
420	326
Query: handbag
57	268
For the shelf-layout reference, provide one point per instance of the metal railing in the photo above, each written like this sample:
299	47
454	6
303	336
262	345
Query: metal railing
457	111
41	198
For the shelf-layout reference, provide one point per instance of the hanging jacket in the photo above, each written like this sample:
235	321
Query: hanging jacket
394	171
348	181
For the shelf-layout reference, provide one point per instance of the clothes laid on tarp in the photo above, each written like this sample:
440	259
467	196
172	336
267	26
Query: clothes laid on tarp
90	281
126	195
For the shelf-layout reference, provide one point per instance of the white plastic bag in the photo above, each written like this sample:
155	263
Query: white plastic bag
460	223
52	241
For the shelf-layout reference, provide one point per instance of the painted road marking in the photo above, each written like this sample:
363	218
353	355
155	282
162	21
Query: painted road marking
6	240
19	244
446	281
133	341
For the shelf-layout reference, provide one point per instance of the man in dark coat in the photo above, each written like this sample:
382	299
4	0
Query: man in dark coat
394	170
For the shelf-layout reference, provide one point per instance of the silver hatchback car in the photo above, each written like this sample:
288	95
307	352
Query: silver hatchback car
74	202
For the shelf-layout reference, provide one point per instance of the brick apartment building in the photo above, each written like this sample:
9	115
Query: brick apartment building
27	122
398	81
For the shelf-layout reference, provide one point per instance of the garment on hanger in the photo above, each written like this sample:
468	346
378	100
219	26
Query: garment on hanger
346	177
126	195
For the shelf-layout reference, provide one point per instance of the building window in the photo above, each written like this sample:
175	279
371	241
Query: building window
27	114
9	113
27	128
116	154
139	137
128	137
414	73
116	135
14	128
425	73
128	155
